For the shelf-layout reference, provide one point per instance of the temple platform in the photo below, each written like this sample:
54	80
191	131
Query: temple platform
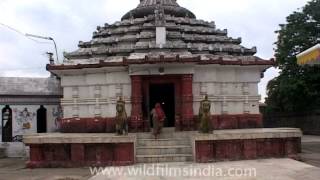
84	149
79	150
246	144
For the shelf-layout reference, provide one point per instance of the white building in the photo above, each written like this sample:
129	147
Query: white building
27	105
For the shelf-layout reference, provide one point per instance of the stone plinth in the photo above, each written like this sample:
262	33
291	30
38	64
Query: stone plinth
246	144
78	150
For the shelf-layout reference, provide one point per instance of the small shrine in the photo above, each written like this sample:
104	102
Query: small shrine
310	56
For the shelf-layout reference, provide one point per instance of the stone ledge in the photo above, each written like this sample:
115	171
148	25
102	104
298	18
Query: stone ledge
249	134
244	144
79	138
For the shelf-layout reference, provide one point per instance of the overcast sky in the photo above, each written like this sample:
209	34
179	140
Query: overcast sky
69	21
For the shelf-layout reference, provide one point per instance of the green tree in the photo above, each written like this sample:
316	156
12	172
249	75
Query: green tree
298	87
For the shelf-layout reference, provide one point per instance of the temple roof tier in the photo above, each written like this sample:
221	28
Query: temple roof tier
165	59
137	34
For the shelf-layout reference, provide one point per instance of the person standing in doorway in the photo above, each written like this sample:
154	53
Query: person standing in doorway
158	117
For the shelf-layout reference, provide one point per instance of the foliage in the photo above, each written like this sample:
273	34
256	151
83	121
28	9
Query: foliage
298	87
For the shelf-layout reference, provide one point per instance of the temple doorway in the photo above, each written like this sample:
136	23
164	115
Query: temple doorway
42	120
6	124
165	95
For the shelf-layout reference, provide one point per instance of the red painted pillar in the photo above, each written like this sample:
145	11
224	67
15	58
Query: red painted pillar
136	121
292	147
123	154
187	103
36	156
77	154
205	151
249	149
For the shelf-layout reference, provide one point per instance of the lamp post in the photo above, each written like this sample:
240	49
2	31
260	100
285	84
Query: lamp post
46	38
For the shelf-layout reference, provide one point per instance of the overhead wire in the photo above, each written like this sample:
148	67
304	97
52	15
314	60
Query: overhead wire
17	69
23	34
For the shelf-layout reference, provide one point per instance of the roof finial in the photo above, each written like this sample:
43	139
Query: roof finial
147	7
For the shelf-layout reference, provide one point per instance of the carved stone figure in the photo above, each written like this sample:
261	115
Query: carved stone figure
121	118
205	116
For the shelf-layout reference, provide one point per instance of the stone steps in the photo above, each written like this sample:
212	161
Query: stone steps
164	142
165	135
159	150
164	158
15	149
170	146
2	152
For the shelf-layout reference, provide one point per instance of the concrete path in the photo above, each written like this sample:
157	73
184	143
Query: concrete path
310	138
269	169
311	150
14	169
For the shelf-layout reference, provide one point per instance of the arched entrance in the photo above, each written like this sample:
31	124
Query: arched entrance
7	124
147	89
42	120
165	90
165	95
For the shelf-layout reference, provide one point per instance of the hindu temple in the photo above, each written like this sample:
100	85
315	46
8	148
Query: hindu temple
160	52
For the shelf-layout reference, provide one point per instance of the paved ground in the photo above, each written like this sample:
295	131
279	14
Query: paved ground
266	169
282	169
311	150
14	169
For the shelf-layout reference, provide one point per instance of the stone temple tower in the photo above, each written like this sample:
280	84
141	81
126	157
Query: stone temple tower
159	52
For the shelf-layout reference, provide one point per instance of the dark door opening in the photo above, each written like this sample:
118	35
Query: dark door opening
6	124
165	95
42	120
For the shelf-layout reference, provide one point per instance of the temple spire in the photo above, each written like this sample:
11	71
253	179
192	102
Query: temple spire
147	7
